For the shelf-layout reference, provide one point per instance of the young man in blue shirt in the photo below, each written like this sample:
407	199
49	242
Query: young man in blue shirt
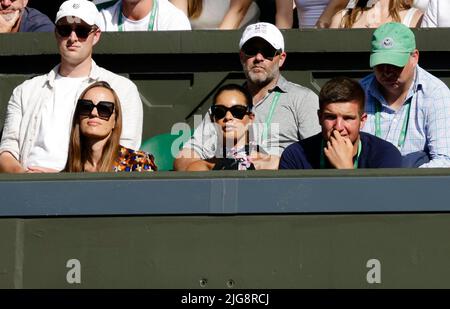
341	145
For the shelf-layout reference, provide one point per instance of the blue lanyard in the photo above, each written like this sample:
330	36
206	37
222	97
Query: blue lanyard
151	22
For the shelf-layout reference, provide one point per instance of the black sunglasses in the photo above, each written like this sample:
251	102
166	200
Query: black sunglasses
238	111
82	32
104	108
267	52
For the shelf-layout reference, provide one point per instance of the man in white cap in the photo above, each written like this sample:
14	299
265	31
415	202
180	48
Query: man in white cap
284	112
140	15
406	105
40	110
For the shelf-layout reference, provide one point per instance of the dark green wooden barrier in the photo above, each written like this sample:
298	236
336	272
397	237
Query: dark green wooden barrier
277	251
286	229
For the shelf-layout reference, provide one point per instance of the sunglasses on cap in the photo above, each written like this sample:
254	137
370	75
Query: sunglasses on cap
82	32
238	111
104	108
268	52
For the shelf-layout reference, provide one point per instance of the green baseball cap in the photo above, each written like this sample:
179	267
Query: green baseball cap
392	43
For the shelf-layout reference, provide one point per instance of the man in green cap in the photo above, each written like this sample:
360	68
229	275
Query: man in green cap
406	105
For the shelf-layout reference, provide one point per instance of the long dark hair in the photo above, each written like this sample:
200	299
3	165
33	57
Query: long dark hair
79	153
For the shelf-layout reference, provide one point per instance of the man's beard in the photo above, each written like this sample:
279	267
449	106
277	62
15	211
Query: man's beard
260	79
8	16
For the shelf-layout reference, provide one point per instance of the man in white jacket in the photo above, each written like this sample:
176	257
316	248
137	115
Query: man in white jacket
40	111
437	14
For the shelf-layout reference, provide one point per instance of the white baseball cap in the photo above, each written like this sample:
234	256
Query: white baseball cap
266	31
83	9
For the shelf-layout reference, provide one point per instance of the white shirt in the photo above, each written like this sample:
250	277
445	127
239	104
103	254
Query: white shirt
437	14
168	17
48	150
136	25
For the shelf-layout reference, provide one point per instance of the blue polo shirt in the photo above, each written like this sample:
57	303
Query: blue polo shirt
35	21
375	153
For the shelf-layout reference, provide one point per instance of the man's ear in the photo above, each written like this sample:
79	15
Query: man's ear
25	3
363	121
242	56
97	35
282	59
415	56
319	115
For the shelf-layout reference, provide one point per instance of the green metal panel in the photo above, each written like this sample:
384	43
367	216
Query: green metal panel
295	251
217	41
7	84
168	99
219	193
12	253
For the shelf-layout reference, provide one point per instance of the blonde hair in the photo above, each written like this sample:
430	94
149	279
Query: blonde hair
195	8
78	150
395	6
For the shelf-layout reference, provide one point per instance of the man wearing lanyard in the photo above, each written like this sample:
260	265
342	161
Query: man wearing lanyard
284	112
341	145
140	15
406	105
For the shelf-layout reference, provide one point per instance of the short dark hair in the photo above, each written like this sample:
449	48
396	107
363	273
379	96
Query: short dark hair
342	89
238	88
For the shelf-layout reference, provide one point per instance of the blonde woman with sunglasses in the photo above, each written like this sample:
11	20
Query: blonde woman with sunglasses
95	135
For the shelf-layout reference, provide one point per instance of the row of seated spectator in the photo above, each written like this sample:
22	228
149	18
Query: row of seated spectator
81	117
154	15
405	105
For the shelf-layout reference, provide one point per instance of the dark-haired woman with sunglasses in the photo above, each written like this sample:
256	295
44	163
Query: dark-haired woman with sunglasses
94	139
232	114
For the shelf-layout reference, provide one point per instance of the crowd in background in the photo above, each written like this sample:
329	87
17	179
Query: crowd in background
153	15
